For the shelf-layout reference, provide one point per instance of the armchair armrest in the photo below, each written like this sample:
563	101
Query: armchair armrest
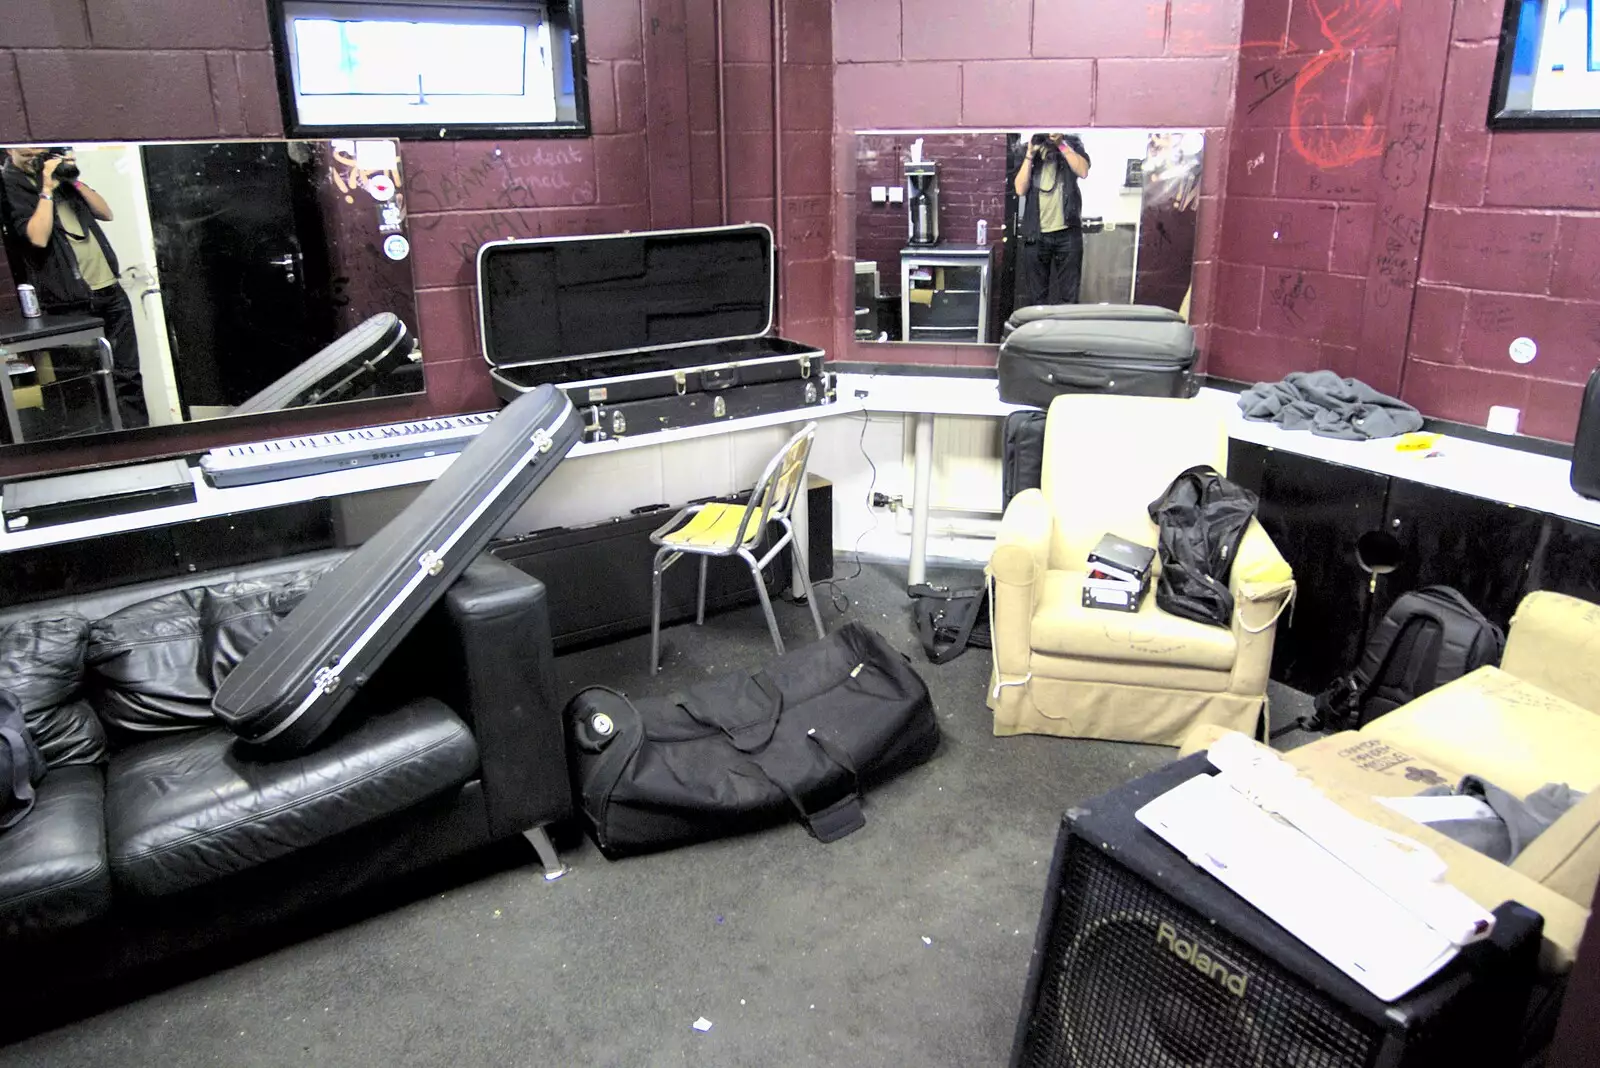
1262	585
491	662
1554	643
1016	566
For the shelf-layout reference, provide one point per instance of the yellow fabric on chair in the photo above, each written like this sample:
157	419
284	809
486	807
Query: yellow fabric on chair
714	526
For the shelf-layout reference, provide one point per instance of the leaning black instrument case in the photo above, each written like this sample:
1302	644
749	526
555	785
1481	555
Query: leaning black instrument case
801	738
645	331
1147	357
354	361
289	689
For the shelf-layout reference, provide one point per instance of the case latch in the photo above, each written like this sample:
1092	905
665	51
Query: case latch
431	561
811	393
542	441
805	367
326	680
719	408
680	382
592	430
619	423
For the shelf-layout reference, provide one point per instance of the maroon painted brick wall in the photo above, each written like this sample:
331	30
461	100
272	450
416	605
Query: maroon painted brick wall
86	70
1012	64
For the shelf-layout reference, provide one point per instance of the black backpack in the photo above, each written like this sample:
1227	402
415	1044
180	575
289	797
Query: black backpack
21	765
1427	638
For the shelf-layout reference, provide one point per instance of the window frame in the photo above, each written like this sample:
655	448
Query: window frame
1504	116
472	10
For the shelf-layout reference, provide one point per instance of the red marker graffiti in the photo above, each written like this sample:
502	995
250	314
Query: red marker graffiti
1347	26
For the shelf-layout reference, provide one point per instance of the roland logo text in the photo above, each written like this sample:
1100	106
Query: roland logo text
1191	952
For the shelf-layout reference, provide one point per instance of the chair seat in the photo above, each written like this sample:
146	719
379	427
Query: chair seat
714	527
1063	627
1493	724
53	871
189	808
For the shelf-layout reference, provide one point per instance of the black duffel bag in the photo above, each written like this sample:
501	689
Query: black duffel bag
801	738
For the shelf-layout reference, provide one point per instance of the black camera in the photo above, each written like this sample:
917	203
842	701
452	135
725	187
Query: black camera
68	170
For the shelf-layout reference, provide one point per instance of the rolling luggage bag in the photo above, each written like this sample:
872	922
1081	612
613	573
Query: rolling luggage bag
644	331
1022	465
354	361
1140	313
1586	445
292	686
801	738
1048	357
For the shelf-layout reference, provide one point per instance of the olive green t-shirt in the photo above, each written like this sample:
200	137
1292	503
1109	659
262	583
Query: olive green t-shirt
1052	204
91	257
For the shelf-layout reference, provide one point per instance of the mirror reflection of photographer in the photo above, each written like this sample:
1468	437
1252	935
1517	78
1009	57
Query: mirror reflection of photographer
51	221
1050	220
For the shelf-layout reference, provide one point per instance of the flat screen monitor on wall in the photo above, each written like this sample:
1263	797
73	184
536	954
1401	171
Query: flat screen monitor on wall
1547	74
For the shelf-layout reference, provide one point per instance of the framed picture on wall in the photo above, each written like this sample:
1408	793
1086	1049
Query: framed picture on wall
1547	73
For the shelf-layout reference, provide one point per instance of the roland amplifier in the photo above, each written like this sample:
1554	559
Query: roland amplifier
1143	961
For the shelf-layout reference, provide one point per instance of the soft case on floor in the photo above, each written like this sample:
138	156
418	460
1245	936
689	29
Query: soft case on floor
644	331
1586	446
353	362
293	685
801	738
1142	357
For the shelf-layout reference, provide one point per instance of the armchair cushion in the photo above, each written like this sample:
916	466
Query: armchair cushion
1063	627
185	809
1554	643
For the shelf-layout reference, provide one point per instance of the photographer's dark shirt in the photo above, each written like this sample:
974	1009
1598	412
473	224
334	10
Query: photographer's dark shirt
52	270
1066	182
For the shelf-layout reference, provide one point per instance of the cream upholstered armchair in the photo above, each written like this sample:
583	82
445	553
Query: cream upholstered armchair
1147	676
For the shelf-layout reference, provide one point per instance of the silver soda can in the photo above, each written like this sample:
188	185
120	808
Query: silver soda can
983	231
30	301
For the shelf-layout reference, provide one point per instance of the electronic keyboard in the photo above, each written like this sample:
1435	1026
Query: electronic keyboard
317	454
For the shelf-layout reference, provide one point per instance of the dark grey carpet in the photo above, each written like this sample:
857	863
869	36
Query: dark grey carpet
906	943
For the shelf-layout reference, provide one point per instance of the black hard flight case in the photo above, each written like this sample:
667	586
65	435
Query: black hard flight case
1143	357
354	361
292	686
644	331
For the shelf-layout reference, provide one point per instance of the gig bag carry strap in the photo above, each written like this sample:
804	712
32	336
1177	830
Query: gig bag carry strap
826	820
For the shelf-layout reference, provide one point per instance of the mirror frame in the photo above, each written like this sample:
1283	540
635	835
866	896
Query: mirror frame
1504	117
295	130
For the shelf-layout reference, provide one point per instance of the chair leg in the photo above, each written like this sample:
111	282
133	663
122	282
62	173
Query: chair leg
655	613
766	606
554	866
805	579
700	605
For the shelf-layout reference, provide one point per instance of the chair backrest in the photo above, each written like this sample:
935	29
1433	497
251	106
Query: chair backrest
780	484
1107	457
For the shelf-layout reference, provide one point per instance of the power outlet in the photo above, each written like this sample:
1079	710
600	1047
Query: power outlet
883	500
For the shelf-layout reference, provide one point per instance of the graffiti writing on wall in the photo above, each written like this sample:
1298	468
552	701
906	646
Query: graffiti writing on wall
1322	138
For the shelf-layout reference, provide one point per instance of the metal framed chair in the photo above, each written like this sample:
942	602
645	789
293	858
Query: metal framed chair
721	529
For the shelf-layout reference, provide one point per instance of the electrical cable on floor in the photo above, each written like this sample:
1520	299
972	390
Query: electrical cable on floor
841	603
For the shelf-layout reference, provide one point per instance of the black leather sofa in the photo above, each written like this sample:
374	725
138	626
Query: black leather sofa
169	836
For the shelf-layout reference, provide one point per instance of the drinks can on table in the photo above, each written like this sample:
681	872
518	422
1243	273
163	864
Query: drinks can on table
30	301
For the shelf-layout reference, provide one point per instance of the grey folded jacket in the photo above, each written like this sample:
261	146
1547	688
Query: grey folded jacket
1325	404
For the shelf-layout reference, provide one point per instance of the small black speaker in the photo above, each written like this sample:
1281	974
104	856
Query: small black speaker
819	527
1586	446
1144	961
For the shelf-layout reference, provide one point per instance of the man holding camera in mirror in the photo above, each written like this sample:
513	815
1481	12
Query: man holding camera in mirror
51	221
1050	219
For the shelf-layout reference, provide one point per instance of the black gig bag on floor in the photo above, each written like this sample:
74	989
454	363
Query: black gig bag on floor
1022	465
949	621
1427	638
1202	518
1139	357
801	738
289	689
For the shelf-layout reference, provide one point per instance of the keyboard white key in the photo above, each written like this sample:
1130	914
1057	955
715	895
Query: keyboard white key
268	461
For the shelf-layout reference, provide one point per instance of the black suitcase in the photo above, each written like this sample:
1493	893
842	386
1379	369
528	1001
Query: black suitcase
616	556
292	686
1145	313
1048	357
1586	446
354	361
644	331
803	737
1023	458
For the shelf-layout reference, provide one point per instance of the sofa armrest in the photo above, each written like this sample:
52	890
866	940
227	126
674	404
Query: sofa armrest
1262	585
495	668
1554	643
1017	566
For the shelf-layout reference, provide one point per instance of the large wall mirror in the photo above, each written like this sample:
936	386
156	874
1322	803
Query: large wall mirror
954	230
240	262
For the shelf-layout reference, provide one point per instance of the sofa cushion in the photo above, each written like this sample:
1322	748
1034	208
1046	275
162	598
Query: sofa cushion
236	616
188	808
53	871
41	665
1063	627
1495	725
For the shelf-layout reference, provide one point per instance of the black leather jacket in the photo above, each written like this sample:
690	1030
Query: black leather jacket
52	270
1072	210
